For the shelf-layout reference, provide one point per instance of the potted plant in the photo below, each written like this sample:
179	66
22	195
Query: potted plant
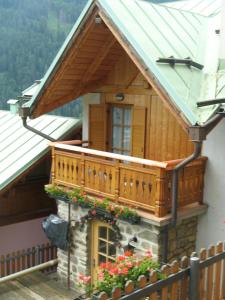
56	192
125	268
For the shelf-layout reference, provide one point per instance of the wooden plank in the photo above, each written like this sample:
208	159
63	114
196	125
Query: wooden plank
153	279
2	266
202	286
142	282
209	292
174	287
218	282
184	292
165	291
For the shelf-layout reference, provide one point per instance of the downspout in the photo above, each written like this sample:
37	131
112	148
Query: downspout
197	136
24	112
175	177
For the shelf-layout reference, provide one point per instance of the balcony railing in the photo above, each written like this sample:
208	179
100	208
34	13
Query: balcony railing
141	183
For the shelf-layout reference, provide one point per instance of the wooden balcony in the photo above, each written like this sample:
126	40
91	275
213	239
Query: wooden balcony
141	183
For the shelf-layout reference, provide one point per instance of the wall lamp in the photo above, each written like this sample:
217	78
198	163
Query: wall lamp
120	97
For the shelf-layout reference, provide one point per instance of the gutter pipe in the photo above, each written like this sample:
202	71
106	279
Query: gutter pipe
24	113
48	264
197	136
45	136
175	176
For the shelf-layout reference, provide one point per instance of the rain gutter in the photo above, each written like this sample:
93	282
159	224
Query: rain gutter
24	113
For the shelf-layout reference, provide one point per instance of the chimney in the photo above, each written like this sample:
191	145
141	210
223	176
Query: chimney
14	105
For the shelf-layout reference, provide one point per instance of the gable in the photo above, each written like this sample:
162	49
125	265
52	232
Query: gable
146	32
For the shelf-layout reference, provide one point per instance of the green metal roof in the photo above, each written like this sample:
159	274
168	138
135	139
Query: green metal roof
202	7
21	148
158	31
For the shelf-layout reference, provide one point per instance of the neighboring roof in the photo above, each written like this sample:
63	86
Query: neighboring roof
21	148
158	31
31	90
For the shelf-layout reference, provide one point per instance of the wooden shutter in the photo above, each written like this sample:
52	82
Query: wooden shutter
97	126
138	131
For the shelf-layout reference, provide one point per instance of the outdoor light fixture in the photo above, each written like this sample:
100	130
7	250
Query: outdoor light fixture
119	97
98	20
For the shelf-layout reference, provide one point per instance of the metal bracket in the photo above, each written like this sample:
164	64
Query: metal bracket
197	133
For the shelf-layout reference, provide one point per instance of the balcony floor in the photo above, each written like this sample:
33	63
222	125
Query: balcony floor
188	211
36	286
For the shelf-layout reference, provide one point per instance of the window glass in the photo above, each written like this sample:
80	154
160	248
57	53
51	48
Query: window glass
121	130
117	116
102	232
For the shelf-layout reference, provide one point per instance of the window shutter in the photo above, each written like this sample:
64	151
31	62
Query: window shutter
97	126
138	131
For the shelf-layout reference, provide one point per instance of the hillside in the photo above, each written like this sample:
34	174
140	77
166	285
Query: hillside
31	33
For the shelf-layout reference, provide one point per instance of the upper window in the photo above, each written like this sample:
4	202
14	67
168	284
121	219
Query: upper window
121	130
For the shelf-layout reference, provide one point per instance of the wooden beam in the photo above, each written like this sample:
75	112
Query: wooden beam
133	77
109	43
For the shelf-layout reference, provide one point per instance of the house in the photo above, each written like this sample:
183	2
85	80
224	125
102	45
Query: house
24	169
152	81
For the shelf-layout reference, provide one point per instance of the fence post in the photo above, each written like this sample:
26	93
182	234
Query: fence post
37	256
194	278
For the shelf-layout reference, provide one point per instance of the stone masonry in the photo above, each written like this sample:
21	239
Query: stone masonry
182	240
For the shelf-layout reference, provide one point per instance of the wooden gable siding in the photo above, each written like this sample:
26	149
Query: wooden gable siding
161	137
26	199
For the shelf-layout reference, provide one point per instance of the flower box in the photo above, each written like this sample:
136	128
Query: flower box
60	198
84	205
131	219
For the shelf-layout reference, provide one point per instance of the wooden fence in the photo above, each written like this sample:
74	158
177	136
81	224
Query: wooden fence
21	260
197	278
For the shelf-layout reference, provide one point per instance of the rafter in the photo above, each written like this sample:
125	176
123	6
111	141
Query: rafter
109	43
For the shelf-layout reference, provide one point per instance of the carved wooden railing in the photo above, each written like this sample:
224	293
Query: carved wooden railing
141	183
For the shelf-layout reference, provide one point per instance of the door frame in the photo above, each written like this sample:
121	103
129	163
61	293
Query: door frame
94	246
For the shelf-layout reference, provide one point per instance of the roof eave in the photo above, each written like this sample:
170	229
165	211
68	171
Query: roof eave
77	28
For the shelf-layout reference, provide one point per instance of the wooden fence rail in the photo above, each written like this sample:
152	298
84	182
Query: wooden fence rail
21	260
195	278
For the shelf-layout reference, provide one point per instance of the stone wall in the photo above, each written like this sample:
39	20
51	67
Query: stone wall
150	237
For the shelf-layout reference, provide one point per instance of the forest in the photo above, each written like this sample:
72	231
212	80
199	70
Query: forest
32	31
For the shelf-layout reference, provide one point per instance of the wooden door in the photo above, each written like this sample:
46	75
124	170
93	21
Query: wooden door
103	248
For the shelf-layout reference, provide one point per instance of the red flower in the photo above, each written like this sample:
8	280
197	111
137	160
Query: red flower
85	279
114	271
129	264
75	199
128	253
148	254
112	208
123	271
121	258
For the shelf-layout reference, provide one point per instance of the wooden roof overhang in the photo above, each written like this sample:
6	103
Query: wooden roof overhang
85	63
